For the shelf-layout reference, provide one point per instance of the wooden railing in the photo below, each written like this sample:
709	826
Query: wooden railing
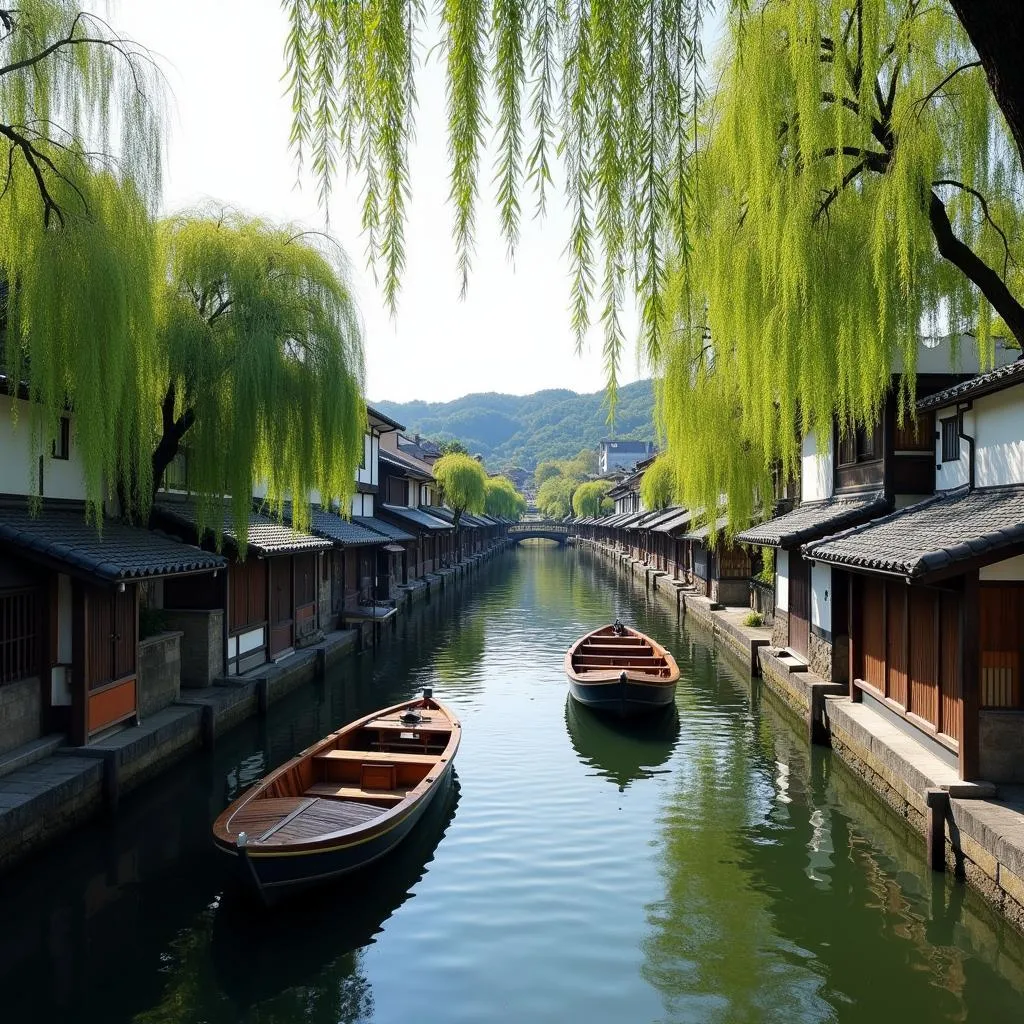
539	526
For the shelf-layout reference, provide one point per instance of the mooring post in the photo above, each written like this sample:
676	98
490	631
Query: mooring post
936	810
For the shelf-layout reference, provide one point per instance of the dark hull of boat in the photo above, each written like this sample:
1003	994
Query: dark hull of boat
274	876
626	699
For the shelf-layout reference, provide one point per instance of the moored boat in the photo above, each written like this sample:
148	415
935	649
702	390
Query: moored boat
620	670
344	802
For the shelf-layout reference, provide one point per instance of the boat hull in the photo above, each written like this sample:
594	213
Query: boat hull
273	875
626	699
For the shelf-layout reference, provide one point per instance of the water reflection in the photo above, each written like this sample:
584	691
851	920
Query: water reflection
622	751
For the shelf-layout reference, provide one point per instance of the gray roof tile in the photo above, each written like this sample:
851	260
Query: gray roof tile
416	515
995	380
387	530
342	532
267	536
121	552
933	535
814	519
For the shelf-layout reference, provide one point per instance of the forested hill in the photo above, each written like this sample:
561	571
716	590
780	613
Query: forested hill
522	430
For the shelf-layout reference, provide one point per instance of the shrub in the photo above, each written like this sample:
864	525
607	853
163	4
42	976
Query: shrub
753	619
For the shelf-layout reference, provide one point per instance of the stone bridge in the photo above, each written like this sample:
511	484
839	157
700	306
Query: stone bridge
546	529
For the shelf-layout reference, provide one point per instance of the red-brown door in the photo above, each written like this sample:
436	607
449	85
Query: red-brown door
281	621
799	604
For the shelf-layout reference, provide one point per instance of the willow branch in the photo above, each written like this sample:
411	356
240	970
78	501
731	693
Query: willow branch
984	209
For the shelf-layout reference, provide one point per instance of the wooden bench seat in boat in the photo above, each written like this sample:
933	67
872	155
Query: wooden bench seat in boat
349	791
390	757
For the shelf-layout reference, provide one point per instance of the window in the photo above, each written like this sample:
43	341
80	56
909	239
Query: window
951	439
62	442
858	445
20	613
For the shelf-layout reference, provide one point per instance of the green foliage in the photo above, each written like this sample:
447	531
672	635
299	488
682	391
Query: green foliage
609	86
463	482
767	573
525	430
260	351
554	498
80	112
753	619
452	446
589	497
545	471
825	171
658	484
503	499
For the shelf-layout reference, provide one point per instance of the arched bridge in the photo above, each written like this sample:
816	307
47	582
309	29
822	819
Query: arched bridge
546	529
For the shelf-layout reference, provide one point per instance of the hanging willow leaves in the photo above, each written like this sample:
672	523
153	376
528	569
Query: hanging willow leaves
502	498
857	185
260	365
80	153
609	86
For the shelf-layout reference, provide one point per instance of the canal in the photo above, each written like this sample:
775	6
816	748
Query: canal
708	866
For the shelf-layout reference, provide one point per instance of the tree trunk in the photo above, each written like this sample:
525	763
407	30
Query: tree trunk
170	439
458	534
996	29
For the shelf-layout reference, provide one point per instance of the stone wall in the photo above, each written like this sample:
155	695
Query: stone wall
1001	746
731	592
159	672
820	656
202	643
780	628
20	713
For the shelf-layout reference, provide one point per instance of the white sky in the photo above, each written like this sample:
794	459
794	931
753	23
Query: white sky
229	142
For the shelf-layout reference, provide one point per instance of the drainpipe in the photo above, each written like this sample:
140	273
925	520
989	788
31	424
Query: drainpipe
961	409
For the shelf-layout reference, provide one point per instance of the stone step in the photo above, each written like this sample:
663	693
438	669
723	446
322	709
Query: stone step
29	753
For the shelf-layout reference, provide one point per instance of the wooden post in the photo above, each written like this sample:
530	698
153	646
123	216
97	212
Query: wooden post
937	808
79	665
855	620
970	643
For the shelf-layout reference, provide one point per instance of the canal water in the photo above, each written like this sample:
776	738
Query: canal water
706	866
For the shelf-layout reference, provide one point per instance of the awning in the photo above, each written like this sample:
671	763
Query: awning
936	536
385	529
816	519
679	518
418	517
267	536
702	533
120	552
404	465
332	526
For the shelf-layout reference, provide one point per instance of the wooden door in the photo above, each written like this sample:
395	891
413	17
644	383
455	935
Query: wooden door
337	560
281	621
799	604
305	595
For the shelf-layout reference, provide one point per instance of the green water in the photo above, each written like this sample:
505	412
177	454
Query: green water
706	866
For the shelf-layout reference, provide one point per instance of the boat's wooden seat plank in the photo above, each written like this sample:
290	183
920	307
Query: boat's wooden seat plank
347	791
324	816
392	723
261	814
378	756
616	652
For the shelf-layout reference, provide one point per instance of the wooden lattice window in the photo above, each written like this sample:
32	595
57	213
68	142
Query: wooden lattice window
916	434
20	632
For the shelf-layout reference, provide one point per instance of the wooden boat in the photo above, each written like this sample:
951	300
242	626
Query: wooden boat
343	802
622	671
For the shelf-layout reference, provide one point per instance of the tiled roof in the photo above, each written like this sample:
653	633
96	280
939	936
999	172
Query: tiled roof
703	532
405	465
659	516
388	530
933	535
629	521
417	516
267	536
121	552
996	380
815	519
679	518
373	413
344	533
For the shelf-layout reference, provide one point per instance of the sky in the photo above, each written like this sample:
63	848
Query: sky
229	126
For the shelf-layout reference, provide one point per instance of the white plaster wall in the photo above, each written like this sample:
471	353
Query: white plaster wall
782	580
821	596
364	474
815	469
1010	569
997	425
361	503
374	460
19	471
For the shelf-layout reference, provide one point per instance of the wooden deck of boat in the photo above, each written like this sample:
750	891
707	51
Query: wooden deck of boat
323	816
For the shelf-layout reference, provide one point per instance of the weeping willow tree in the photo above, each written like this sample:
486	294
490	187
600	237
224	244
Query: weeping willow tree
590	499
608	87
856	185
502	498
463	485
81	118
260	365
658	484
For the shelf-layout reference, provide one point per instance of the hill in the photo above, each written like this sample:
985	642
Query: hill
522	430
